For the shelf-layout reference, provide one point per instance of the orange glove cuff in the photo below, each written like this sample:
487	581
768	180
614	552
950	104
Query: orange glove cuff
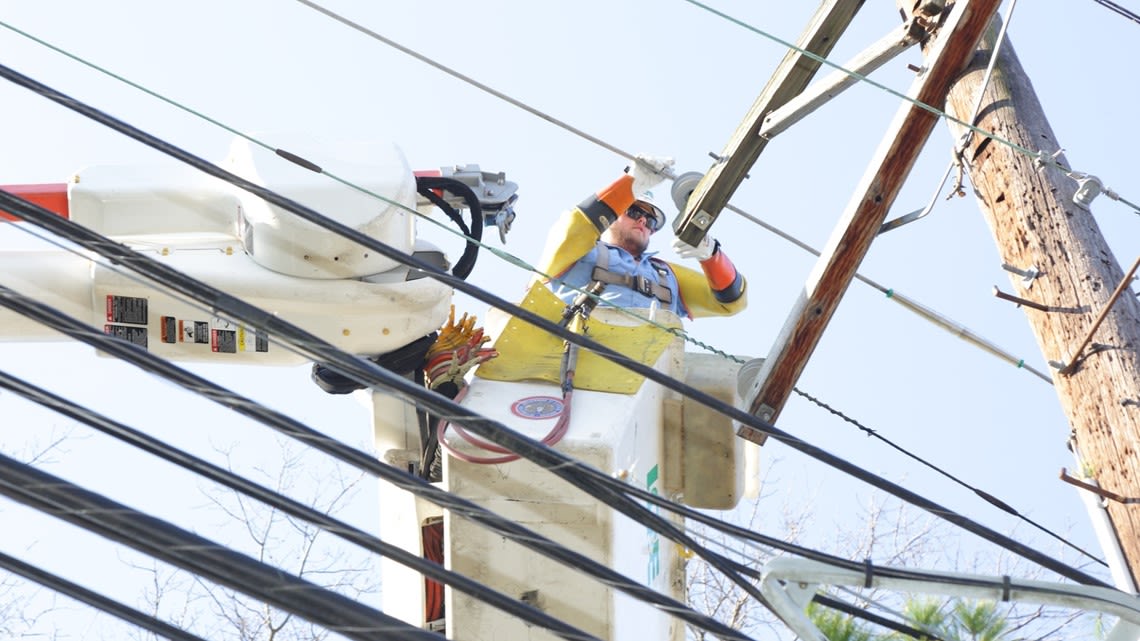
618	195
719	270
604	207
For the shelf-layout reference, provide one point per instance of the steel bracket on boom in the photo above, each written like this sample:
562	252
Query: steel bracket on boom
496	194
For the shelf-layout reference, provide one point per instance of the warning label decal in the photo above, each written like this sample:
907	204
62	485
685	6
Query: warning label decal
229	338
169	329
136	335
195	332
126	309
223	341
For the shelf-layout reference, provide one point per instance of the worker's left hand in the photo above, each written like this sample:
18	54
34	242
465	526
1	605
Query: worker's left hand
702	251
649	171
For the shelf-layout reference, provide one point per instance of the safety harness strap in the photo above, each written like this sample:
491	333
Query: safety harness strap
638	284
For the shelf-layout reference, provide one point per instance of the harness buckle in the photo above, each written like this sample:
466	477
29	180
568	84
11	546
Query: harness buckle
643	286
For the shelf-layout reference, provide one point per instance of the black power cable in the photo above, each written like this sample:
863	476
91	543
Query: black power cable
455	217
1120	10
287	505
95	600
493	431
120	523
247	407
979	492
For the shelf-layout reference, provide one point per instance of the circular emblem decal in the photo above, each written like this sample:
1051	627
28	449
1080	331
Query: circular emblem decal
537	407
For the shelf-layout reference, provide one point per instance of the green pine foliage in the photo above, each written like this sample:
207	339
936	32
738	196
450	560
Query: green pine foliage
954	620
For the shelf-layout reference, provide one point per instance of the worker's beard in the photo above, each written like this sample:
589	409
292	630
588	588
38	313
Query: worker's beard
628	239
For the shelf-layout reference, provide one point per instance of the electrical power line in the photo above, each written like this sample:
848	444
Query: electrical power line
741	535
935	317
932	316
585	485
929	314
365	371
289	506
619	152
94	599
1119	10
117	522
362	461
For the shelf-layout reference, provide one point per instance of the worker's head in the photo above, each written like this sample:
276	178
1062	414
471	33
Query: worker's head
631	231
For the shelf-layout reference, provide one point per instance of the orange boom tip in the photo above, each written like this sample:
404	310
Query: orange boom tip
51	196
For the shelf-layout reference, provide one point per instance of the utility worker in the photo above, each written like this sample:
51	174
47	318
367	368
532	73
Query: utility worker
606	239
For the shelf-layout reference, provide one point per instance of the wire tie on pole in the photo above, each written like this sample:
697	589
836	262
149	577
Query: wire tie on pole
867	572
1005	587
1043	160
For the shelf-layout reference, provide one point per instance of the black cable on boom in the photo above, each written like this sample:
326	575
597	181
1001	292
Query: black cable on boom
426	186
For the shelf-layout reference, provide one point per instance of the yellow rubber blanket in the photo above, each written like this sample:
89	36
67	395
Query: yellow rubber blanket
527	352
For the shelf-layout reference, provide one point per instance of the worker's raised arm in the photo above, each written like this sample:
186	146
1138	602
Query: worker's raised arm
722	291
577	230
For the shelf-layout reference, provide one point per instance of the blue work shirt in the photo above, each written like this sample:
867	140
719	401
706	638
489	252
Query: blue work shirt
580	275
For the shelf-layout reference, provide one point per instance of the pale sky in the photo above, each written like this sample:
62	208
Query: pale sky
665	78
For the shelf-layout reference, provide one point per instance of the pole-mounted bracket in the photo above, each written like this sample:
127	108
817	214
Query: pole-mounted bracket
1098	490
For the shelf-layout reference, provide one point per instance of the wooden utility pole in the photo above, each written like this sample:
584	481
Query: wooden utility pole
1092	335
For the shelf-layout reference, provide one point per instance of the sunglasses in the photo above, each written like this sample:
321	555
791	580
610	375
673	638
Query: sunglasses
637	213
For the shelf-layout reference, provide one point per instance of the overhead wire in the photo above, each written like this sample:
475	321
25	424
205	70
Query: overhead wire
394	383
1042	158
939	319
117	522
288	506
211	472
930	315
986	496
493	431
1119	9
94	599
49	214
